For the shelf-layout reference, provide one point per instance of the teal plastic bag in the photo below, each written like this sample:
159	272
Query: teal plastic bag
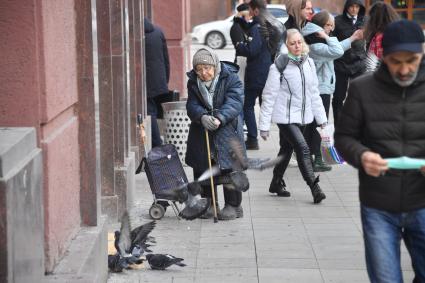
405	162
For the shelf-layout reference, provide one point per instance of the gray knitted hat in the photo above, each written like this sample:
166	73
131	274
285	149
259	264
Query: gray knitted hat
204	57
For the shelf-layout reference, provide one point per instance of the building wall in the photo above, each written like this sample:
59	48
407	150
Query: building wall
175	23
39	89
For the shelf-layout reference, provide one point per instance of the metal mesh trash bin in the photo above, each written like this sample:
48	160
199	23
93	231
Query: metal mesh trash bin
176	126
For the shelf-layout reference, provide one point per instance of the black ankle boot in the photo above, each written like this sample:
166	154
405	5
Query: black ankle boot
252	144
316	191
278	186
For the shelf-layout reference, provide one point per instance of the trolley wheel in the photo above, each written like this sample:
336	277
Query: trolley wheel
157	211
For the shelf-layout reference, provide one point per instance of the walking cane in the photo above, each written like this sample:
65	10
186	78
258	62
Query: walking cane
211	177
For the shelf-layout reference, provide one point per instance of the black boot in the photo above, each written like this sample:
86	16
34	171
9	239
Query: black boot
278	187
252	144
319	165
316	191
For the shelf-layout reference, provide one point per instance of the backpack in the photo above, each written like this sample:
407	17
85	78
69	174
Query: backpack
274	32
281	62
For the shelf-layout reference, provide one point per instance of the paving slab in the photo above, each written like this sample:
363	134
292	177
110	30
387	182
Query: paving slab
278	240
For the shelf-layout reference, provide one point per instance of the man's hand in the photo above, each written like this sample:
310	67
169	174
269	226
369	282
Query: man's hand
264	134
423	170
373	164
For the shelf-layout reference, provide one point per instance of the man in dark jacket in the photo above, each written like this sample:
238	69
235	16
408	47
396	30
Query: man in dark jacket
352	64
157	73
383	117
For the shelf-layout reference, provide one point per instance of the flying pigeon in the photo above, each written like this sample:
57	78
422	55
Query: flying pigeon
162	261
126	240
195	205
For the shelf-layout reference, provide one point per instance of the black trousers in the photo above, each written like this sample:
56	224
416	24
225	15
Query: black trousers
291	138
341	86
231	196
311	135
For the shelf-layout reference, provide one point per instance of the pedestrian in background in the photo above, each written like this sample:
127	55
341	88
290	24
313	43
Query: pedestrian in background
157	74
239	33
258	62
324	49
299	12
291	100
352	64
383	117
214	103
381	14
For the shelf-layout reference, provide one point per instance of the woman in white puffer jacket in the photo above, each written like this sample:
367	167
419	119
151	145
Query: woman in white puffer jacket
291	99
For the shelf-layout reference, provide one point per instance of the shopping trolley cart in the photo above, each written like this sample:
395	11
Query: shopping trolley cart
166	176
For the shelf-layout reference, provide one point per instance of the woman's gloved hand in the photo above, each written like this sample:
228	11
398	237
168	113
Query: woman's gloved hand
210	122
264	134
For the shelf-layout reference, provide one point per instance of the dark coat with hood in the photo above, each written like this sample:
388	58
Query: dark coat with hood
352	63
259	58
157	61
227	105
385	118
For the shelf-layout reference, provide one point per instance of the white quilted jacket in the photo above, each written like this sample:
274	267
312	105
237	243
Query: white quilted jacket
295	100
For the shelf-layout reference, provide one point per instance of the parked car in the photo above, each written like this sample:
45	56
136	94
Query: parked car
216	34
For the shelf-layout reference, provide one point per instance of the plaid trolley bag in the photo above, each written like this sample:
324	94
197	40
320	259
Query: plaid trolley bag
165	173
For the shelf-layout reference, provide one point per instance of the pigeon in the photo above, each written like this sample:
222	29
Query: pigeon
195	205
241	162
162	261
126	240
117	263
372	62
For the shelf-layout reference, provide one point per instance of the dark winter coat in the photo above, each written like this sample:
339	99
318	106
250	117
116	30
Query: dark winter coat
352	63
239	30
258	59
227	104
157	62
385	118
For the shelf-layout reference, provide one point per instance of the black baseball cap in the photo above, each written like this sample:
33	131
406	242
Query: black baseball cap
403	35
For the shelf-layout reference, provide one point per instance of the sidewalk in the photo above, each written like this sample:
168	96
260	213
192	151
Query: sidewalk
278	240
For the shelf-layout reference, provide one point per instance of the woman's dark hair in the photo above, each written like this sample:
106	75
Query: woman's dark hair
321	18
260	4
380	15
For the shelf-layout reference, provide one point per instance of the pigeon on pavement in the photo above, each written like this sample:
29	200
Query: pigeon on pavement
162	261
117	263
126	239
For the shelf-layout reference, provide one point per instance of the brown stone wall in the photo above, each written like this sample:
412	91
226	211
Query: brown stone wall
175	25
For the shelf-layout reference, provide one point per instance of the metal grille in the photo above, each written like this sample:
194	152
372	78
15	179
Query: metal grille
176	126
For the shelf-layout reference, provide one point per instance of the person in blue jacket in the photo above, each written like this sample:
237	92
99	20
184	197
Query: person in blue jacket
324	49
259	59
214	103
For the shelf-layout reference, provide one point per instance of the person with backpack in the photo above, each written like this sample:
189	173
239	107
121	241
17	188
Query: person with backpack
324	49
291	99
259	58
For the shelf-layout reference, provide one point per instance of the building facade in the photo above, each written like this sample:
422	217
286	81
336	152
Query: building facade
73	71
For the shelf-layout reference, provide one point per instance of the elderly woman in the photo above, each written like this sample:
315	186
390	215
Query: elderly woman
215	100
291	99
